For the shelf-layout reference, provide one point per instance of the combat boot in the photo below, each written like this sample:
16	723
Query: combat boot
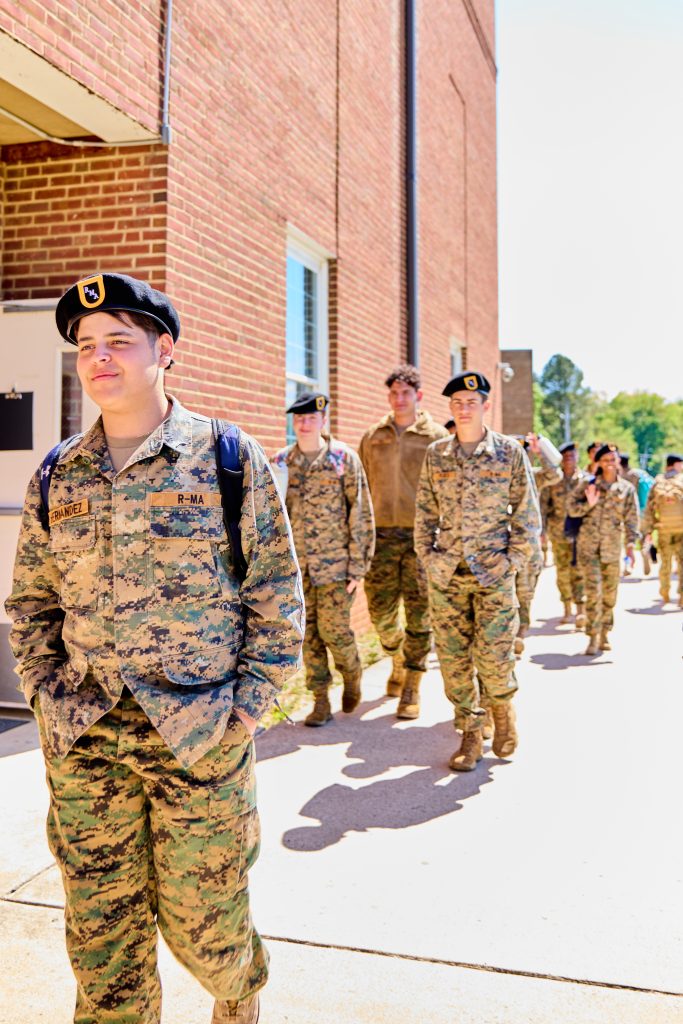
593	645
647	562
580	621
321	713
605	645
664	594
471	750
227	1011
487	729
397	678
519	645
504	731
567	617
351	692
409	704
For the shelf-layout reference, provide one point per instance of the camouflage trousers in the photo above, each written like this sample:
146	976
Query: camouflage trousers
569	577
395	575
526	581
475	629
140	842
670	547
601	582
328	610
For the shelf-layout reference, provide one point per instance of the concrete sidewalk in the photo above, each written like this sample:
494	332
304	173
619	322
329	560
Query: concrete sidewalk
546	888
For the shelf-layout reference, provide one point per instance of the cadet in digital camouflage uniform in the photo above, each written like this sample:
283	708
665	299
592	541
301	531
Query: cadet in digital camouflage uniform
477	523
392	453
148	667
554	512
664	513
334	535
526	580
608	504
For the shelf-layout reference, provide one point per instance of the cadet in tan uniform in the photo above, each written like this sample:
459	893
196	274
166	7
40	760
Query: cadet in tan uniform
392	453
554	511
664	513
148	662
334	535
477	523
607	503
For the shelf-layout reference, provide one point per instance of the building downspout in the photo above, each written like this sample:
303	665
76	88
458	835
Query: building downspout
412	290
165	124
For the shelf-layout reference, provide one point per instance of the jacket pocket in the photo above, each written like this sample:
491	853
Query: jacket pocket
183	553
215	664
73	544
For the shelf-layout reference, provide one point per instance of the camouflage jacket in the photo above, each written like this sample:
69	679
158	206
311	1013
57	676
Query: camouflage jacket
554	503
664	509
133	584
482	510
543	476
330	509
392	462
601	531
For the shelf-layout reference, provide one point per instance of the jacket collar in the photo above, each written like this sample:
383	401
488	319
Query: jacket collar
175	432
486	445
422	424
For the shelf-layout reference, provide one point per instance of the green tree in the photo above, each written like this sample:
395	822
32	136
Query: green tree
565	398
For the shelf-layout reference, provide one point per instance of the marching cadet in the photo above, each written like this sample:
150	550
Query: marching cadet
554	511
334	535
527	577
477	523
392	453
642	482
592	466
607	503
664	513
148	662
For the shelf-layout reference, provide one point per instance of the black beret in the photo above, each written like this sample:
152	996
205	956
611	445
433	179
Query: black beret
672	459
624	458
309	401
105	292
449	423
568	447
593	444
605	450
467	382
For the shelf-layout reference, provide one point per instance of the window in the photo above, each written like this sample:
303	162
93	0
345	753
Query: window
458	361
306	320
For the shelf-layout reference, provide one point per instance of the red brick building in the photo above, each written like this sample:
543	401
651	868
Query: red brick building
287	139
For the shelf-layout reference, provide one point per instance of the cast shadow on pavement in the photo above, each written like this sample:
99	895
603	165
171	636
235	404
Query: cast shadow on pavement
551	627
376	746
552	662
657	609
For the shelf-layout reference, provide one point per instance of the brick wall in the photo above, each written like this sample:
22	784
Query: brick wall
67	213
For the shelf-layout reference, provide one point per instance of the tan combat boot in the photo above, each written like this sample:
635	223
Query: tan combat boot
487	730
397	678
580	622
567	617
409	704
504	731
593	645
351	693
664	594
519	642
226	1011
605	645
322	712
471	750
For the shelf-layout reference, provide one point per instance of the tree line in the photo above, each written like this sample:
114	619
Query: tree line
642	424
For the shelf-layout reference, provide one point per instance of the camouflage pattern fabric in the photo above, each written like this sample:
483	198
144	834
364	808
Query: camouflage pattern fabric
670	547
393	461
526	581
570	581
329	506
395	576
133	584
601	531
601	582
664	508
480	509
475	627
328	609
141	841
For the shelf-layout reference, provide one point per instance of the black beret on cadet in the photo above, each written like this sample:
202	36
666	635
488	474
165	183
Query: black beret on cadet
672	459
605	450
568	447
467	382
309	401
105	292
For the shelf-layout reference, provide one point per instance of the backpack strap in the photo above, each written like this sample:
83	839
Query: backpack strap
47	468
230	455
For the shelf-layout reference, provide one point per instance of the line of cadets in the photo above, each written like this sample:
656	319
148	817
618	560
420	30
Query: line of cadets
443	524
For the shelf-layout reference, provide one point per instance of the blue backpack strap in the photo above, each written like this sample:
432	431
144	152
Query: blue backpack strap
47	468
230	464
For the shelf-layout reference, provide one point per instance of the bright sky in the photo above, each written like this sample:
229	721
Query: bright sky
590	171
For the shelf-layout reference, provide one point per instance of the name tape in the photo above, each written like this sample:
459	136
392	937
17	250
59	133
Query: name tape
70	511
185	499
